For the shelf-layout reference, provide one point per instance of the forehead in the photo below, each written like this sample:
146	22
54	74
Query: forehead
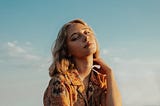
75	27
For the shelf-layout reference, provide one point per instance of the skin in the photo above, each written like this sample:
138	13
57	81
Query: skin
81	45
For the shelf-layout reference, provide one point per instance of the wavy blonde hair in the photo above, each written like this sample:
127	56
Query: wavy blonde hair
62	61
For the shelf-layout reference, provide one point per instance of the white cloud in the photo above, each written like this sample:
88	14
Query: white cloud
11	44
138	78
22	67
28	43
31	57
14	49
21	56
105	52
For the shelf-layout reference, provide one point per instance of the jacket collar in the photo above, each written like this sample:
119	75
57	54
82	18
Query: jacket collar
96	77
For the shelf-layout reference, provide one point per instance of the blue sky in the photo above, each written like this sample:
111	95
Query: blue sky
127	31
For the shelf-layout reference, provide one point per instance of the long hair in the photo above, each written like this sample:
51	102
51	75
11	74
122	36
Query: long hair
61	59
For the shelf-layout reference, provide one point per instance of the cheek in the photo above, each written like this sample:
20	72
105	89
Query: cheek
73	48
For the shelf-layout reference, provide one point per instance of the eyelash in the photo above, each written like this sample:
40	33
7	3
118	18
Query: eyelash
78	35
75	38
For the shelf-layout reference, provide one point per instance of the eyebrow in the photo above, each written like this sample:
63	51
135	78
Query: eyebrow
77	32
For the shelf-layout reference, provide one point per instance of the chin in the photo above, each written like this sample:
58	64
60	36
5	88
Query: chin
91	52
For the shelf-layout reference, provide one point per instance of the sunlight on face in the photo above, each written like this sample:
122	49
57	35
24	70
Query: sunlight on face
81	40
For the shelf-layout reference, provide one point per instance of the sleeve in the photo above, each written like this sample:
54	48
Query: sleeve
56	93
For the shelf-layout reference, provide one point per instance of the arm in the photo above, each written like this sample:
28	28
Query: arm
113	94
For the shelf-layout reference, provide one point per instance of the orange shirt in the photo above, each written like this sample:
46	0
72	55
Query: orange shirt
68	90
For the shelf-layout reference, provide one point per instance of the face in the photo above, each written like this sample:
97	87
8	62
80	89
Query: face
80	41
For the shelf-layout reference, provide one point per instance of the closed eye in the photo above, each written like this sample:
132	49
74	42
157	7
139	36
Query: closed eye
75	36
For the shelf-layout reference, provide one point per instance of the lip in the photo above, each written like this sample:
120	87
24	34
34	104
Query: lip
87	44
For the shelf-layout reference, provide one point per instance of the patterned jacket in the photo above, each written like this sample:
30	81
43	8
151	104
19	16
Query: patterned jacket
68	89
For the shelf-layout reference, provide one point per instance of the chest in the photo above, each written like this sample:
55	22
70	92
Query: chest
92	96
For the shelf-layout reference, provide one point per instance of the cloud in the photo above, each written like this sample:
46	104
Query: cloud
137	77
23	72
14	50
21	57
28	43
105	52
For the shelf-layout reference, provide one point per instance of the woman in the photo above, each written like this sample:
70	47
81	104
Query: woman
78	76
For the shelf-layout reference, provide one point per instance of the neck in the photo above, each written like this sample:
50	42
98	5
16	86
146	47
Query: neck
84	66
